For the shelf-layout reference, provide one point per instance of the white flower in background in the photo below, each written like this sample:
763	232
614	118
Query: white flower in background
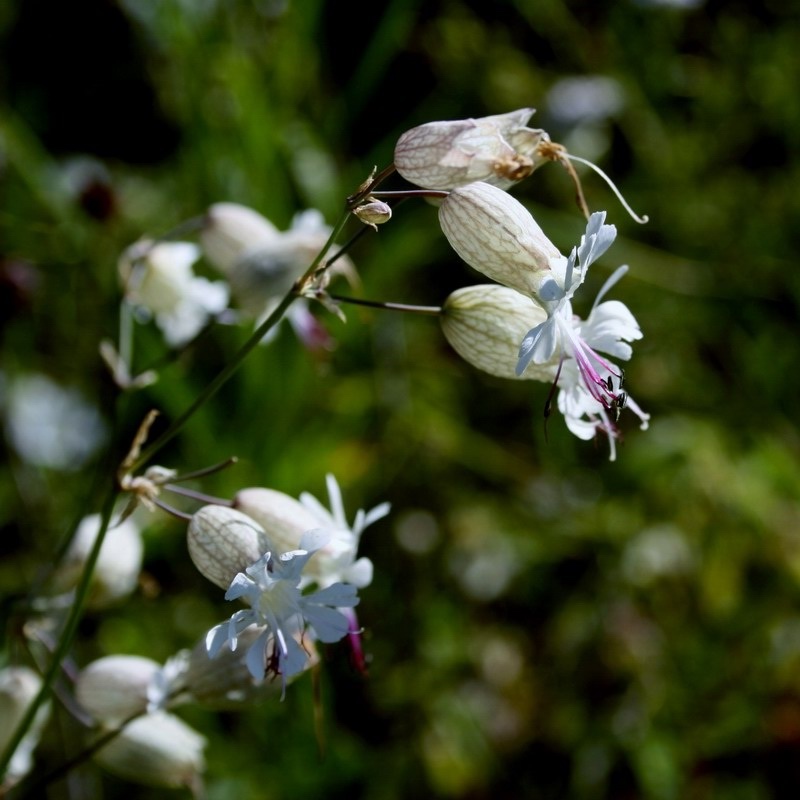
156	749
119	563
48	425
285	520
585	99
114	688
160	280
499	149
270	587
18	687
262	263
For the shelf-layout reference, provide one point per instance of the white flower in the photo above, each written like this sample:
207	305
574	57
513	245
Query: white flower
18	688
270	587
285	520
116	574
499	149
555	295
159	279
156	749
262	263
50	425
496	235
114	688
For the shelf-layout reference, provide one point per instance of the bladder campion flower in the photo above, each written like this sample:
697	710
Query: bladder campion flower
270	587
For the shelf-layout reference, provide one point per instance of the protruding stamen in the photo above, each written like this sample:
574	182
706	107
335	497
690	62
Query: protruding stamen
641	220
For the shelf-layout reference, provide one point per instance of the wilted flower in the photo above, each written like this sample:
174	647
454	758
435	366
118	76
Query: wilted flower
156	749
285	520
159	279
499	149
18	687
270	587
119	563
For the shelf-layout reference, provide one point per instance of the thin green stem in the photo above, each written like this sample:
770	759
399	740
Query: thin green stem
67	634
432	311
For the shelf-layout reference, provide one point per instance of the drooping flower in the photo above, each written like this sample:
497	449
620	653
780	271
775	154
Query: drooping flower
497	236
271	587
18	688
499	149
285	520
159	280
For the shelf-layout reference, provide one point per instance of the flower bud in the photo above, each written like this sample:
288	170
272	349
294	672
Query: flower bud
443	155
114	688
496	235
157	749
485	325
373	212
223	542
230	230
118	566
18	687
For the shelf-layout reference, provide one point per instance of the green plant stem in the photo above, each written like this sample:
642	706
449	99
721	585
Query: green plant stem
432	311
67	634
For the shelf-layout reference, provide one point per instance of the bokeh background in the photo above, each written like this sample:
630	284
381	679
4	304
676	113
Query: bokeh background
543	623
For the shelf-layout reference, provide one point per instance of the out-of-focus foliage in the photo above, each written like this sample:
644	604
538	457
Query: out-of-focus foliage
543	623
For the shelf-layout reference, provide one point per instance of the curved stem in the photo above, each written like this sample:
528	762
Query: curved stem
641	220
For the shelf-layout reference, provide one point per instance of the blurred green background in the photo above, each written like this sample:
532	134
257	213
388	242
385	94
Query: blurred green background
543	623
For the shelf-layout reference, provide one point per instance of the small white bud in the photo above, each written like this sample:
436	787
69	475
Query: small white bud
499	149
373	212
485	325
496	235
223	542
231	230
114	688
157	749
18	687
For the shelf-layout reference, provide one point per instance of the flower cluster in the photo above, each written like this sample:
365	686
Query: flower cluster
268	557
524	327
